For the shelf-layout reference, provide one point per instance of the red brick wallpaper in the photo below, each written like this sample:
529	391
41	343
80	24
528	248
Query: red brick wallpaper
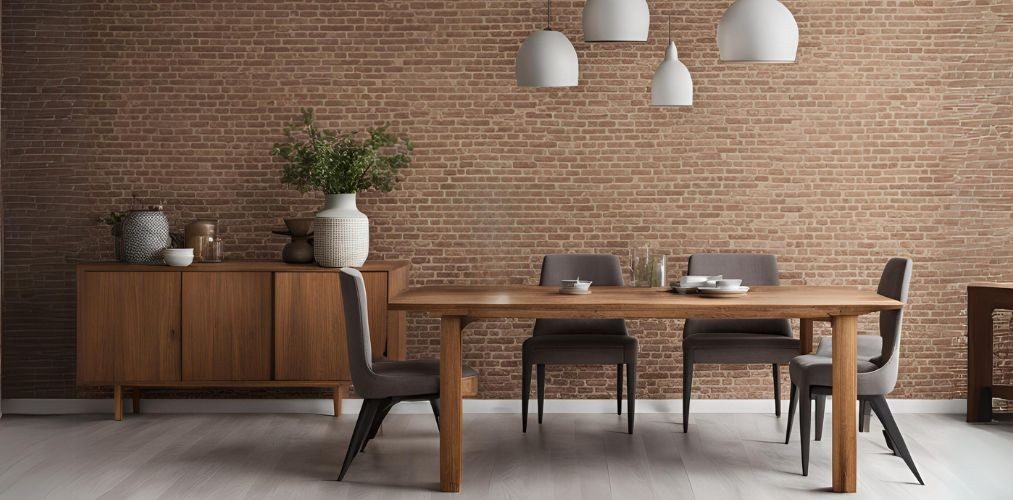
890	136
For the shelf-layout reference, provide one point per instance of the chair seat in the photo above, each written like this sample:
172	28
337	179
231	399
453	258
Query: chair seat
740	348
815	370
581	349
869	346
417	377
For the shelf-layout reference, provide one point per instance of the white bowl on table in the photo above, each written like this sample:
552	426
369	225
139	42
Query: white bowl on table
575	287
729	284
178	257
689	284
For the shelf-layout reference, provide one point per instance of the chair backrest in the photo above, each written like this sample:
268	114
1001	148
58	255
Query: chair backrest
752	269
603	270
893	283
360	354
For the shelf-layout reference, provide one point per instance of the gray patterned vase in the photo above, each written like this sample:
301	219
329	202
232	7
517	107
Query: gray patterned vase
145	235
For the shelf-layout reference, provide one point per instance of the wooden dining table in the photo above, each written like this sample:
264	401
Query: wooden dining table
457	306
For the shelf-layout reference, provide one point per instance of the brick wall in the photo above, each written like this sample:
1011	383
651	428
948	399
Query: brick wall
891	136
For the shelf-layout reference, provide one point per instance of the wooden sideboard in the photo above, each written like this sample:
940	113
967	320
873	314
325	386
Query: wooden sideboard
233	324
982	301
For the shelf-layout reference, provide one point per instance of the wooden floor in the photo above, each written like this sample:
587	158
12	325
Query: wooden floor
585	456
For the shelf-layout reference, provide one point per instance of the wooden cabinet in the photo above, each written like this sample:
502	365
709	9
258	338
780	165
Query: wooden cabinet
227	326
309	325
128	325
234	324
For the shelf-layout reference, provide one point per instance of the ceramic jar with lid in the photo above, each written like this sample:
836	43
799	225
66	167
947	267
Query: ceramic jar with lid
197	233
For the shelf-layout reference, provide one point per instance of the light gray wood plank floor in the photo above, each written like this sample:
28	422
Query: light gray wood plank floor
585	456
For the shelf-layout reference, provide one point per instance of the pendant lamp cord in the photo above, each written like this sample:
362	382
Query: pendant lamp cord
669	29
548	14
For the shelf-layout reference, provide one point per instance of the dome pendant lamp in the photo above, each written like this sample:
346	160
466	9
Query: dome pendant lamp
672	85
616	20
547	58
758	31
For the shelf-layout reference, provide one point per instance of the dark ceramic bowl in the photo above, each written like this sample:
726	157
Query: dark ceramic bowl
300	226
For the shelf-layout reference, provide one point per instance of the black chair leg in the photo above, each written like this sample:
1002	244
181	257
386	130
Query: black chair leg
619	389
435	405
631	395
385	405
804	423
865	417
821	410
885	416
792	404
370	407
687	387
541	392
525	394
777	390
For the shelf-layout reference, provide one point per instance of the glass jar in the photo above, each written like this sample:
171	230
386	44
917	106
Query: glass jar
649	269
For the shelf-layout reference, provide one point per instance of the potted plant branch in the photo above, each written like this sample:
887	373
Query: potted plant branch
340	165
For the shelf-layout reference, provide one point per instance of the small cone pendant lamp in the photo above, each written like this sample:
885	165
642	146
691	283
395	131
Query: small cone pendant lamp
672	84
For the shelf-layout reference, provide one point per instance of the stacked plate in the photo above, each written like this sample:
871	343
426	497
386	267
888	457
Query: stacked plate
690	284
722	292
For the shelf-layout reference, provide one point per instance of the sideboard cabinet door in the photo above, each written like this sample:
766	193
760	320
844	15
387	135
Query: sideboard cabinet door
129	327
226	326
309	324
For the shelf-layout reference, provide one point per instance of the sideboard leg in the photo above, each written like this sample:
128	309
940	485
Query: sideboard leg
136	407
117	402
339	394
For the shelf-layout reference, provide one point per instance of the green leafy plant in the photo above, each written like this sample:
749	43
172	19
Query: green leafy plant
317	159
114	218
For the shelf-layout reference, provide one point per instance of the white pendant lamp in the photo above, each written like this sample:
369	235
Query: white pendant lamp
616	20
547	58
672	85
758	31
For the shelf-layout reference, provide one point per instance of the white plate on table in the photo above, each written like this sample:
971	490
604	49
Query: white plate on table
713	291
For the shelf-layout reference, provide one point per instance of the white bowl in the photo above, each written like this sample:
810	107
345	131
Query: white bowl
689	281
729	284
178	251
177	260
574	284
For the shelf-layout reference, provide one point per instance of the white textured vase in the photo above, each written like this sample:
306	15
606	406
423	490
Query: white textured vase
340	233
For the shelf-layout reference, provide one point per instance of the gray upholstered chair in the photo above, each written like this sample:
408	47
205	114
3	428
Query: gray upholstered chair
580	341
812	374
736	341
381	384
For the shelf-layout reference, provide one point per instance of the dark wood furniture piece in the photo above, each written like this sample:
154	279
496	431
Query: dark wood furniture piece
459	305
233	324
982	300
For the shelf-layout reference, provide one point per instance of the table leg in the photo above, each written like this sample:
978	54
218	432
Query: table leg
805	336
451	404
979	356
845	380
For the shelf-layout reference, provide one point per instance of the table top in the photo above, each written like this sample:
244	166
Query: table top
811	302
